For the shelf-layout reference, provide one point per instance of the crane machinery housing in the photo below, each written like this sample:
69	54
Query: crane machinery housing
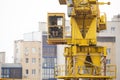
84	59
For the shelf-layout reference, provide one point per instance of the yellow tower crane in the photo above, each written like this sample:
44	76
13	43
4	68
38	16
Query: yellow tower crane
84	59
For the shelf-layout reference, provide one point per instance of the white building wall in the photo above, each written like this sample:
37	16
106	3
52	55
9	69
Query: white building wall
117	30
33	36
2	57
43	27
17	51
60	55
60	48
2	60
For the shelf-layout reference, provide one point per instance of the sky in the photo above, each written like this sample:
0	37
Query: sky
22	16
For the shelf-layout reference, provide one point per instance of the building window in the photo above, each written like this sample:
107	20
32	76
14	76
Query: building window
39	52
112	29
27	60
108	51
27	71
10	72
33	60
33	71
39	60
5	73
26	51
108	61
33	50
59	21
16	50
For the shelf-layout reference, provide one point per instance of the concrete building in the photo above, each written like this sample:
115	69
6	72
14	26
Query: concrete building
28	53
43	27
33	36
107	38
49	55
2	60
2	57
109	43
49	59
116	28
11	71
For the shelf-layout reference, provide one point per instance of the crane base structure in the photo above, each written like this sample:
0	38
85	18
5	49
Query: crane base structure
84	59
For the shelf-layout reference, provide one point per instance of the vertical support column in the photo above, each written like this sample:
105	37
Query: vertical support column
105	54
68	61
74	52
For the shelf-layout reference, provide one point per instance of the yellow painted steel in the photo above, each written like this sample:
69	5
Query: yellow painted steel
84	59
53	28
62	1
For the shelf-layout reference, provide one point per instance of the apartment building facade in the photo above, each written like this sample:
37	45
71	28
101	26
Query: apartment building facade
28	53
49	55
49	59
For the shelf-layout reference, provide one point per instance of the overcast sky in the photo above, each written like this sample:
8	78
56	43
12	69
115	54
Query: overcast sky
22	16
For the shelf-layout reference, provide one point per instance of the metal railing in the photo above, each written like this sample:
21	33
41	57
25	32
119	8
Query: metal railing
61	70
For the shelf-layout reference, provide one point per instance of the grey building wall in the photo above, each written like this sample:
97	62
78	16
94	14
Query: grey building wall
116	26
2	60
109	43
2	57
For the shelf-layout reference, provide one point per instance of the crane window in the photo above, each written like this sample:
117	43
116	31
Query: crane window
55	26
